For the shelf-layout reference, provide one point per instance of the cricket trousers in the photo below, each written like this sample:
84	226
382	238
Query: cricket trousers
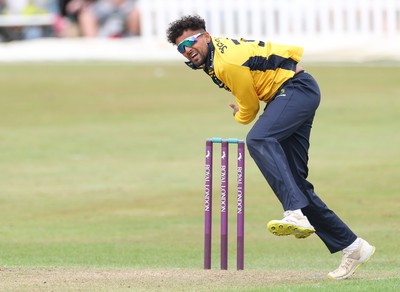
279	142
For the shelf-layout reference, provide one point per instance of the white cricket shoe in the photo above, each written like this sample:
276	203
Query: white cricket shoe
352	259
292	224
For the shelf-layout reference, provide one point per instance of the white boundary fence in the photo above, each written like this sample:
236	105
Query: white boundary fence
329	30
262	19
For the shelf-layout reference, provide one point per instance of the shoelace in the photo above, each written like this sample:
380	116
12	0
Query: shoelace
286	213
346	261
287	217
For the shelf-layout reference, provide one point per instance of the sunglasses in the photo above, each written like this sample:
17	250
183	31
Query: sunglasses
188	42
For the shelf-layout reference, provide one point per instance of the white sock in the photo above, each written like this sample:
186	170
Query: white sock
354	245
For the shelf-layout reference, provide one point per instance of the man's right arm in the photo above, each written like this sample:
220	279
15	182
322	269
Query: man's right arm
240	82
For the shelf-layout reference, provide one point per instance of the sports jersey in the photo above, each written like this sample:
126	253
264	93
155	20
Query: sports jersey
252	70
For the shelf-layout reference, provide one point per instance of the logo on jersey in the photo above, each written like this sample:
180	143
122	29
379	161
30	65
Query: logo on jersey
220	45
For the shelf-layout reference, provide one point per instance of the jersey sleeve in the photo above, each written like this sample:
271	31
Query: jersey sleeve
240	82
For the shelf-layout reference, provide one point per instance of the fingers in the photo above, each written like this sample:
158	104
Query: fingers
234	107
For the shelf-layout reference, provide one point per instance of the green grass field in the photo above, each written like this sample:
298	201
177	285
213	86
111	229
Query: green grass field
102	169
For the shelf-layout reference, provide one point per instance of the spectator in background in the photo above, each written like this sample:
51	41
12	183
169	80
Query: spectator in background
2	6
70	10
108	18
28	7
4	33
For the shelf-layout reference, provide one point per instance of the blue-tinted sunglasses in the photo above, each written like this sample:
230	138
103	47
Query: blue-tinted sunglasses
188	42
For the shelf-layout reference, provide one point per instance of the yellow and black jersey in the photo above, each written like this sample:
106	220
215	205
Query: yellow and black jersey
252	70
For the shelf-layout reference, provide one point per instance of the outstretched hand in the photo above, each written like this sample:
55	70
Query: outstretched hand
235	108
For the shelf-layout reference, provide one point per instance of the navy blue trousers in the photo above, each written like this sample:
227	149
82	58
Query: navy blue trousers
279	142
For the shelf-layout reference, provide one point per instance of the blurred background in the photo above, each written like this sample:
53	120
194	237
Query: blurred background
341	30
102	163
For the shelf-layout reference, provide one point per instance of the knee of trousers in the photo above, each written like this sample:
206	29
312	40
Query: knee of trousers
261	146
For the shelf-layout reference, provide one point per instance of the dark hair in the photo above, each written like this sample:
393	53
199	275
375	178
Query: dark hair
177	27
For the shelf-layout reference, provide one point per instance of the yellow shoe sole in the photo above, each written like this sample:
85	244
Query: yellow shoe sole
280	228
